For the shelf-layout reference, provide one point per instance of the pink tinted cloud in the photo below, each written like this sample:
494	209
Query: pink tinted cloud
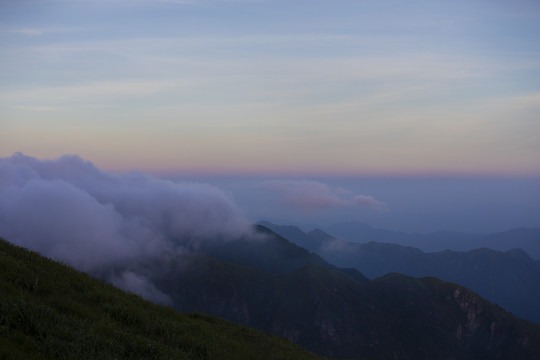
313	196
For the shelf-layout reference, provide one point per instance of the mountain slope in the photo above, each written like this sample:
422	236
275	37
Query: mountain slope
48	310
51	311
328	312
510	279
266	250
524	238
269	252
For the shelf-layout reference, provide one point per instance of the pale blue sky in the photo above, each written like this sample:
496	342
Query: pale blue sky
289	87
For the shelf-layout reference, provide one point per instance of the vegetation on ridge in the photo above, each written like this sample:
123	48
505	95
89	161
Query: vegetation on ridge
49	310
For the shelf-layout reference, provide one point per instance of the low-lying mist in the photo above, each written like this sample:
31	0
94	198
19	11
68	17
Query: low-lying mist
105	223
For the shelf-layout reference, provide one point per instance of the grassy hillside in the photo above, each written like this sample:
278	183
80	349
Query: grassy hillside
49	310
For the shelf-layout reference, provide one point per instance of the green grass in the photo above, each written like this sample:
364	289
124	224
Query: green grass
51	311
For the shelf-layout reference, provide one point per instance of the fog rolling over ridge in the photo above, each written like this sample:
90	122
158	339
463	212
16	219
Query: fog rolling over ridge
97	221
122	227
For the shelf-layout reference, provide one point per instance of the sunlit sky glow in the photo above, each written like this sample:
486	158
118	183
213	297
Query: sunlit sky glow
407	115
274	87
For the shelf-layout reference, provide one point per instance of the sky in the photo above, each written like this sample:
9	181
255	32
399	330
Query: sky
411	115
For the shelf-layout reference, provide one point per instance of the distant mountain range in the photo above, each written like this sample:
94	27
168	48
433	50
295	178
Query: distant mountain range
281	288
527	239
510	278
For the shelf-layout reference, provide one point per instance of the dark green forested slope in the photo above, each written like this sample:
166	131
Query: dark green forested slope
331	313
508	278
49	310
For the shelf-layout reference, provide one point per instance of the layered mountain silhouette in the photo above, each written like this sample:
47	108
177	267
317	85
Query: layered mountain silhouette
273	285
330	313
509	278
527	239
281	288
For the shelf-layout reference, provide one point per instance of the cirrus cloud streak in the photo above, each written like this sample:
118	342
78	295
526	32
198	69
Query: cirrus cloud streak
311	196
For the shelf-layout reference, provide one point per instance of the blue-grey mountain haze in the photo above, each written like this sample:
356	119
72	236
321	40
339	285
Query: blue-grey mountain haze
481	205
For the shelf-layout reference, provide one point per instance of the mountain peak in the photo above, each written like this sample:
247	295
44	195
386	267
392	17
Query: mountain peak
319	235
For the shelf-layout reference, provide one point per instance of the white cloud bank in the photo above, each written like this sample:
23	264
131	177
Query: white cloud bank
69	210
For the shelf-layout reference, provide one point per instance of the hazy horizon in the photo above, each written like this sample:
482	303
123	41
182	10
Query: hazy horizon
419	116
413	204
479	205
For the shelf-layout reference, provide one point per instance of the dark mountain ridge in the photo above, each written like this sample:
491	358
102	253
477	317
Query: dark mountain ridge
324	309
527	239
329	312
510	278
269	252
